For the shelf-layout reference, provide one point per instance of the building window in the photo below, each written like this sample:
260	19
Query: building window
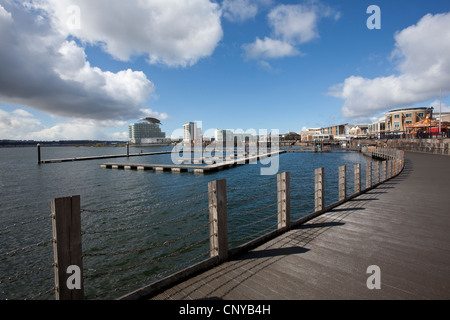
397	116
408	122
396	125
421	114
408	115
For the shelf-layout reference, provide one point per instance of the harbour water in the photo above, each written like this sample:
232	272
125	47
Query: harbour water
137	226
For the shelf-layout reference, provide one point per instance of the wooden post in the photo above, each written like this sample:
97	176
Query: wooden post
383	171
319	194
368	174
39	153
67	248
284	203
357	172
342	183
128	149
218	229
391	163
377	172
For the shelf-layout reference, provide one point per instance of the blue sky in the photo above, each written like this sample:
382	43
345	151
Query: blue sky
86	69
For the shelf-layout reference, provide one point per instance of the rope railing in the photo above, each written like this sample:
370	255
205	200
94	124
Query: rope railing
19	248
131	257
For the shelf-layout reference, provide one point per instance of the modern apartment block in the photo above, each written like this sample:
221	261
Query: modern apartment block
148	131
192	132
397	120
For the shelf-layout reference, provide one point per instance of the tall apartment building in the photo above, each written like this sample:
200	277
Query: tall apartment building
192	133
147	131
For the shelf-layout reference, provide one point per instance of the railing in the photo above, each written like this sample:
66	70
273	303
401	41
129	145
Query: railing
224	222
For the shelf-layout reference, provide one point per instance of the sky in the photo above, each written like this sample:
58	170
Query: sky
79	69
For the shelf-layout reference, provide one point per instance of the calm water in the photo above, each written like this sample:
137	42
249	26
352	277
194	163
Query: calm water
137	226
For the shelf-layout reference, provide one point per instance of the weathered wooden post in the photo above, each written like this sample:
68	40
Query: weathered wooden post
284	202
218	227
319	194
128	149
368	174
67	248
342	183
392	168
357	180
383	171
39	153
377	172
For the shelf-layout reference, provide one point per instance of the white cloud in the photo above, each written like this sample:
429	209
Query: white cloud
423	64
22	125
241	10
154	114
16	124
292	25
170	32
269	49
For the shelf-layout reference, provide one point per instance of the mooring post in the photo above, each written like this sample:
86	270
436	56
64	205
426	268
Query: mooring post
284	202
128	149
67	248
357	172
218	227
39	153
319	194
342	183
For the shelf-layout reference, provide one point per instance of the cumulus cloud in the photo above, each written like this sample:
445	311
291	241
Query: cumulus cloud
15	125
44	65
423	65
291	25
23	125
44	70
170	32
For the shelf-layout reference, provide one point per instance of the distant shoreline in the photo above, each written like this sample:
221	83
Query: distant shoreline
67	143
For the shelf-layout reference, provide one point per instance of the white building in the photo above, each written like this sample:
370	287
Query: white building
147	132
192	132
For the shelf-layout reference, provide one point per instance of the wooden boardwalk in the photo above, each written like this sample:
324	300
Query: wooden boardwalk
402	226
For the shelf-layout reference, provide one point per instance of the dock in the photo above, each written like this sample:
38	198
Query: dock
75	159
401	226
199	169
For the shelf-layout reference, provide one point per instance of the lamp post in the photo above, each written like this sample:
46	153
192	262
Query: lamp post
440	114
431	119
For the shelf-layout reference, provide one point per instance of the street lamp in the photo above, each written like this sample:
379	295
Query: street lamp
431	117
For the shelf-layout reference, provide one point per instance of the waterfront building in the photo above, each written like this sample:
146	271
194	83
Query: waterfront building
396	120
357	131
192	132
147	132
307	135
377	129
224	135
